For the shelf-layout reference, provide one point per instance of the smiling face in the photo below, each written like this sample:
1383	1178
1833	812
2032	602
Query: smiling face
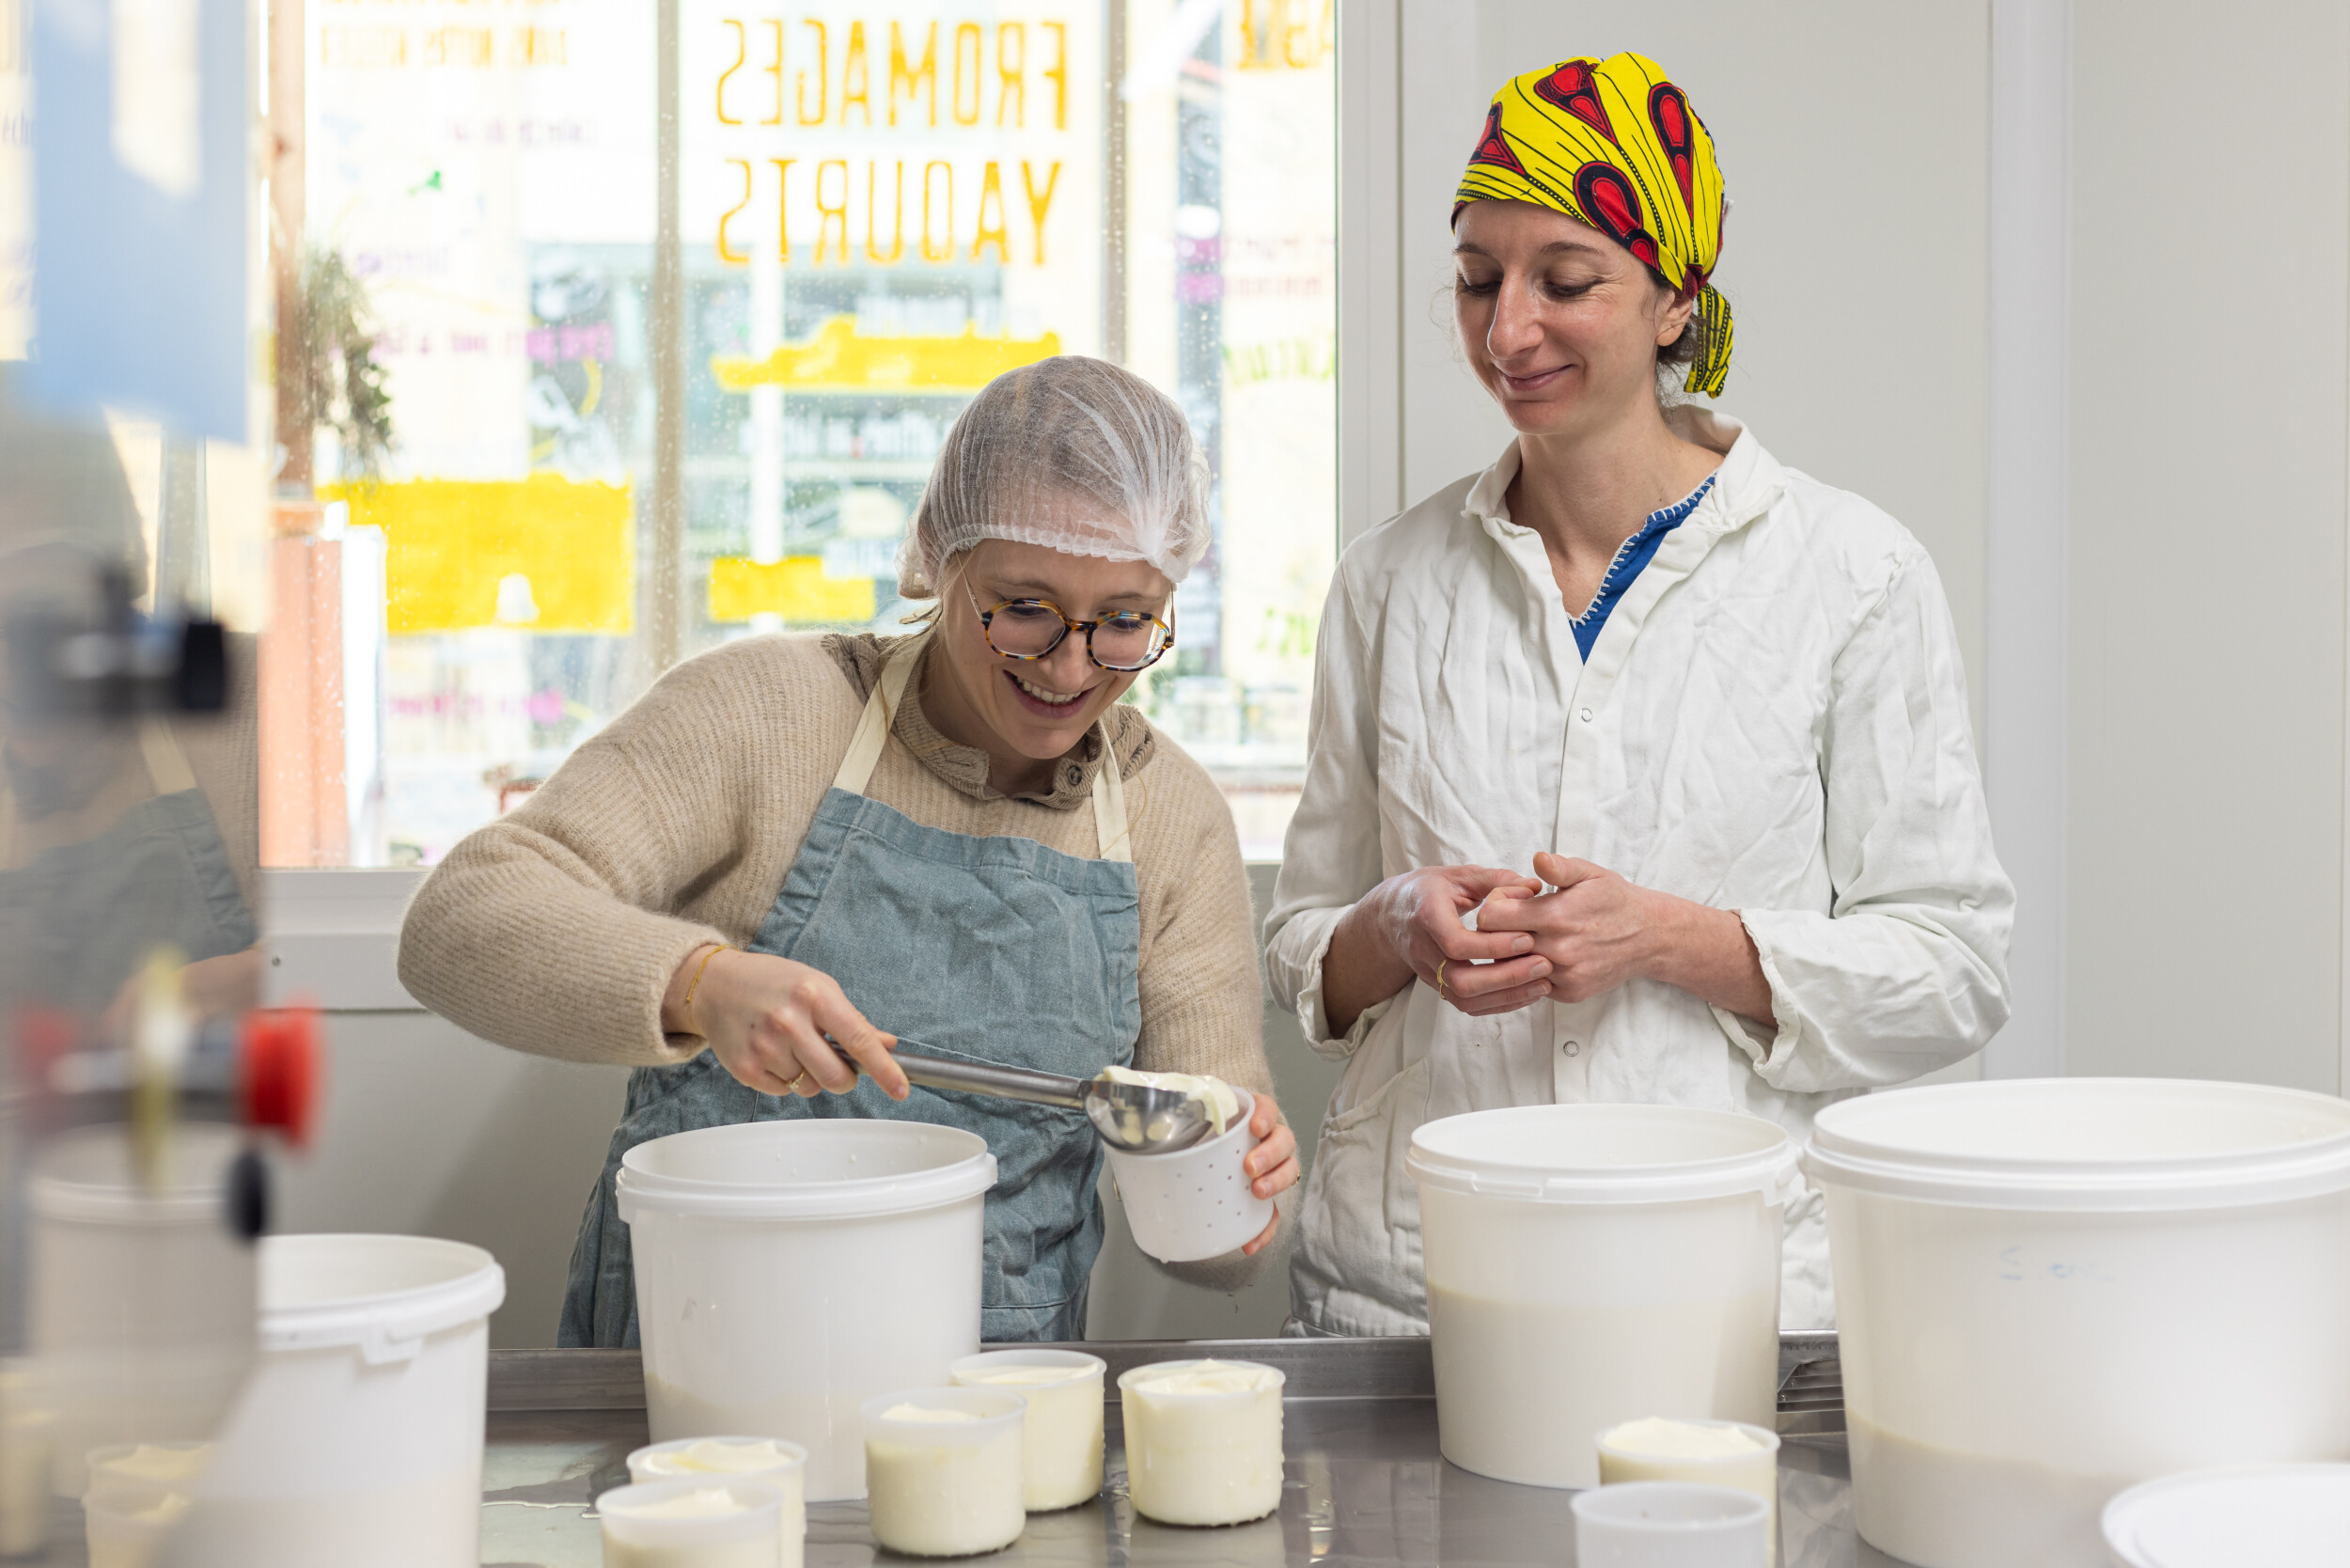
1560	323
1027	713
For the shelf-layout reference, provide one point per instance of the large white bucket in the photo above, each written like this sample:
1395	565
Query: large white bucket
788	1271
358	1441
2050	1290
1593	1264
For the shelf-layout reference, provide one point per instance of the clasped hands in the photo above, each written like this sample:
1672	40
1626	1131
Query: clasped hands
1571	931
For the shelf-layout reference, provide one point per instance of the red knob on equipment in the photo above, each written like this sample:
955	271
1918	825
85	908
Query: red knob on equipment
278	1073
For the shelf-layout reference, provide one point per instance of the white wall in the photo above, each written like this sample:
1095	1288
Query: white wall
1852	137
2211	204
2199	837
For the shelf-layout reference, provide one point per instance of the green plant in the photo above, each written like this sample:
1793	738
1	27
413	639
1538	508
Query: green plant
346	383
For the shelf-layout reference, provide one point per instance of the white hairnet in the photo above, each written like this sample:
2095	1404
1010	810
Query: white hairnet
1113	453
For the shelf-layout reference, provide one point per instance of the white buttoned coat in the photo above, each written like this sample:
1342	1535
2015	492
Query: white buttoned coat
1773	720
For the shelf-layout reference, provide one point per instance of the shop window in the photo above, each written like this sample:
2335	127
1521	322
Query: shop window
881	207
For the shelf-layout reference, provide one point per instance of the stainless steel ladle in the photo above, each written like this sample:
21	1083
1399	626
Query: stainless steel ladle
1132	1117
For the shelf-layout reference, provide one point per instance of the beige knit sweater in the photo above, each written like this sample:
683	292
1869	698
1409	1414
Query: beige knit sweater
555	929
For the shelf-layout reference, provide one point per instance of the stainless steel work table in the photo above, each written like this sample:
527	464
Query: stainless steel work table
1366	1484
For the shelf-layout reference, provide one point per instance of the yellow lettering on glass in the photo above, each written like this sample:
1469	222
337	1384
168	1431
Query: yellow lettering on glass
855	82
827	212
1058	73
916	78
823	76
897	222
726	253
1039	201
775	25
459	47
838	358
541	46
938	252
740	53
967	32
992	233
783	207
1293	35
1011	54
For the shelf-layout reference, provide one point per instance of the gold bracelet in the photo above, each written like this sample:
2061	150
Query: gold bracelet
695	984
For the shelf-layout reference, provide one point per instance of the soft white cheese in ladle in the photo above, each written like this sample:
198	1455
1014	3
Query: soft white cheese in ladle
1214	1095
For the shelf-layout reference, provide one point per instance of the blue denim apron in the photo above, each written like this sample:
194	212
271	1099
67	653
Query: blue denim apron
994	949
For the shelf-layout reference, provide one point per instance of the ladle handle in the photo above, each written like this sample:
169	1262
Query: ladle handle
1008	1083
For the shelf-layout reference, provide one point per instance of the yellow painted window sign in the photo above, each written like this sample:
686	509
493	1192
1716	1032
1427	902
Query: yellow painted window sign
840	358
795	588
546	553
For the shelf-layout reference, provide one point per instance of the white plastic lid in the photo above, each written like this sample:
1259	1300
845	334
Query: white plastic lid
852	1167
2092	1144
384	1295
2273	1515
1605	1155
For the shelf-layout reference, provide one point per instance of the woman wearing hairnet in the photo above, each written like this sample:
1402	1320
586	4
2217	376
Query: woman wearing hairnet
1686	728
958	836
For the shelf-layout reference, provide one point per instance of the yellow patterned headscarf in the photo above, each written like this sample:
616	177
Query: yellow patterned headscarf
1614	143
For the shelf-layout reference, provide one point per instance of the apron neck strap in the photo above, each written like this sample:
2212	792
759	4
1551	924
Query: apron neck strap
880	715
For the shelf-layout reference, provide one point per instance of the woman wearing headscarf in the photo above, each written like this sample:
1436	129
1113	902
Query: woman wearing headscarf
795	850
1640	762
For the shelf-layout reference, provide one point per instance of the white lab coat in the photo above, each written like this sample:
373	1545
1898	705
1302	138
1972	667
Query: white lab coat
1773	720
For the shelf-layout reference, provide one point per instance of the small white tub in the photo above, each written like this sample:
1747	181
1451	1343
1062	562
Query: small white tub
1670	1524
1592	1264
770	1462
710	1523
1196	1202
945	1470
787	1271
358	1440
1063	1433
2052	1289
1203	1440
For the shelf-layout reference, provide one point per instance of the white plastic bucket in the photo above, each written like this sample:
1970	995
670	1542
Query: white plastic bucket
142	1303
787	1271
1195	1202
2275	1516
2050	1290
1590	1264
358	1440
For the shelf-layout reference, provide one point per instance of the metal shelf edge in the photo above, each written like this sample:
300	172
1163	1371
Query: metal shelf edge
1314	1368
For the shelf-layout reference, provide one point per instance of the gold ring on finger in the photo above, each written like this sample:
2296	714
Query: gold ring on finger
793	1086
1440	964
